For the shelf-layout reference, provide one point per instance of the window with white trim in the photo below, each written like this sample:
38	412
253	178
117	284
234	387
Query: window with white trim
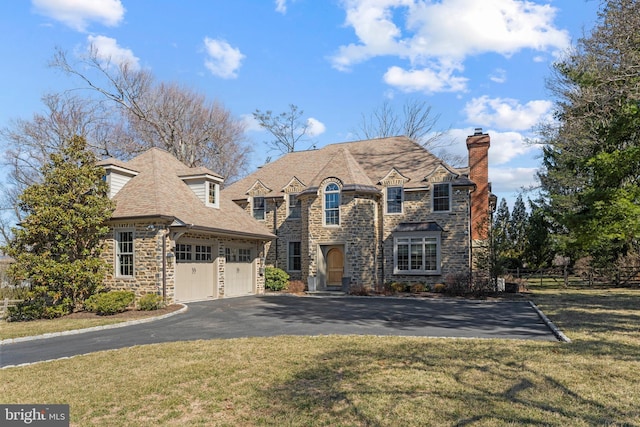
295	256
203	253
258	208
244	255
395	197
212	194
183	252
417	254
295	206
332	204
124	253
238	255
441	197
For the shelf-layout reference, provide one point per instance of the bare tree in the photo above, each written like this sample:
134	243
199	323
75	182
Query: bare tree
287	128
165	115
416	122
124	113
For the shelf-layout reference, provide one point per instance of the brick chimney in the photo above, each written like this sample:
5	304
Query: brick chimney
478	146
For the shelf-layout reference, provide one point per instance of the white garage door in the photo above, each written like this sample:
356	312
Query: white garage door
238	271
195	277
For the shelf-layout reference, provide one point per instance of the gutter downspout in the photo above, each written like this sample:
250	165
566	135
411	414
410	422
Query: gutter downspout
165	232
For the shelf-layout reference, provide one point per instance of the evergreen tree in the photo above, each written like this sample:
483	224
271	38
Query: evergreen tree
590	177
58	244
518	228
500	230
538	249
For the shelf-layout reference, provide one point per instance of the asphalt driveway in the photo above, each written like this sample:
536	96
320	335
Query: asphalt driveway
270	315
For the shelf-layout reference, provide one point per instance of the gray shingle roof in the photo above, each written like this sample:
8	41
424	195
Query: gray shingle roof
359	164
159	191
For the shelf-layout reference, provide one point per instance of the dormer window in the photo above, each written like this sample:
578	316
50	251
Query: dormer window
212	194
258	208
441	197
332	204
395	196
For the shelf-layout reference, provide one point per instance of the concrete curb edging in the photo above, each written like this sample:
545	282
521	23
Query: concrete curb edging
94	328
556	331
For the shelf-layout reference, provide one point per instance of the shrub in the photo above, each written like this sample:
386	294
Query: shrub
439	287
457	284
398	287
150	302
417	288
40	304
109	302
360	290
295	287
275	279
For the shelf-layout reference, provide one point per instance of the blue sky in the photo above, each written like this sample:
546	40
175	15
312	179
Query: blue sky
478	63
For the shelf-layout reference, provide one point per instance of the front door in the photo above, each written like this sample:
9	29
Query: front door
335	267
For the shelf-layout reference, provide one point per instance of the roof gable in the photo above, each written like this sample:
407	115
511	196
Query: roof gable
294	186
394	178
258	189
441	174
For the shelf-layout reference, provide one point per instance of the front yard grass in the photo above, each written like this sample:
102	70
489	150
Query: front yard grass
9	330
364	380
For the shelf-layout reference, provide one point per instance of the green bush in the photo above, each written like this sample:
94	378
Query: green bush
109	302
39	304
150	302
275	279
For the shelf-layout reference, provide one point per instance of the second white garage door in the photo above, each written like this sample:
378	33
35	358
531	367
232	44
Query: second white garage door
238	271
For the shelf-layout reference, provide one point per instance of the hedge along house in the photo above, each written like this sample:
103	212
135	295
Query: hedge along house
172	234
370	212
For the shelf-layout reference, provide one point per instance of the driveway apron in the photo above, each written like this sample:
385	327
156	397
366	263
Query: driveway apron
272	315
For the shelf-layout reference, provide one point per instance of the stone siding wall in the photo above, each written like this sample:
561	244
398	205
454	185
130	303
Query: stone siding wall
147	262
365	232
455	250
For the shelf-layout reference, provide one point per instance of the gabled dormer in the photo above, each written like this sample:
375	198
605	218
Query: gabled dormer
441	174
206	186
258	189
393	179
116	175
294	186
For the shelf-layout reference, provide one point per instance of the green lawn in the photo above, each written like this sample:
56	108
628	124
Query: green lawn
364	381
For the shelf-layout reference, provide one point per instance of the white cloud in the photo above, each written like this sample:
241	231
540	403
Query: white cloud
499	75
511	180
438	36
506	113
223	60
458	28
107	49
505	146
281	6
424	80
315	127
78	13
250	123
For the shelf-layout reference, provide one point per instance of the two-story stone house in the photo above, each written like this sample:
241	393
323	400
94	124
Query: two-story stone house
172	234
370	212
